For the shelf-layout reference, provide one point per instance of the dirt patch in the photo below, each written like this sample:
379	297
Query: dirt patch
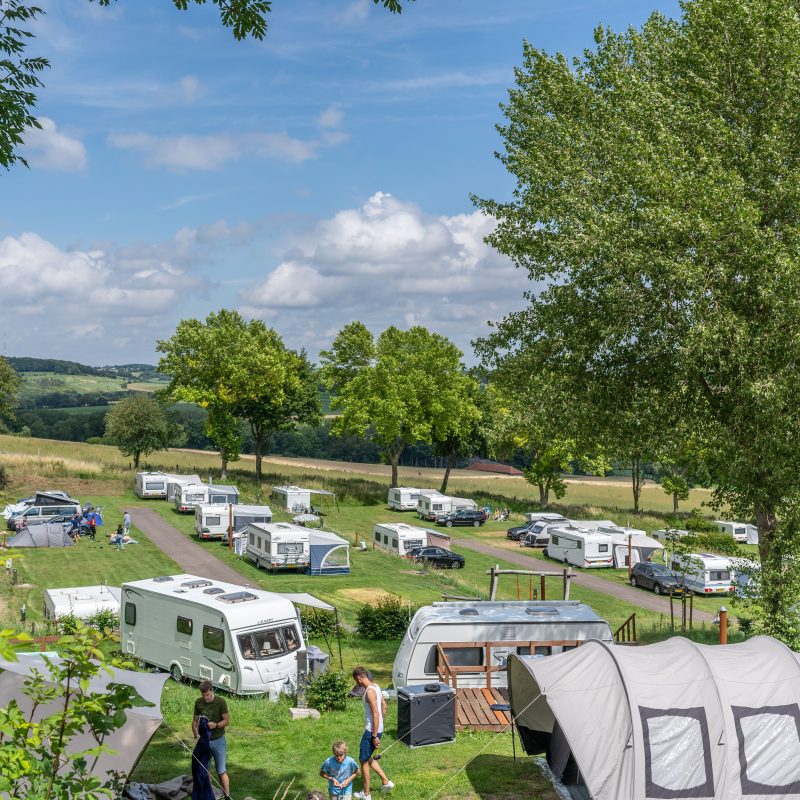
365	595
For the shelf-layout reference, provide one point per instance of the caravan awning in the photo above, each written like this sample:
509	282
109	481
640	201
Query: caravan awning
306	599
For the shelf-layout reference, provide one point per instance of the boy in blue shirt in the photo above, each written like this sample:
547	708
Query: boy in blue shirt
340	771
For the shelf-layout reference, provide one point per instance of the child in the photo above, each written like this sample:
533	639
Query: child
119	538
340	771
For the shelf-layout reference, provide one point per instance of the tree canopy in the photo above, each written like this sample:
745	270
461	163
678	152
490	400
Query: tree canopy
657	200
139	426
9	388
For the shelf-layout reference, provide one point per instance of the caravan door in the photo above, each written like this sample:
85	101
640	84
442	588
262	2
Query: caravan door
621	556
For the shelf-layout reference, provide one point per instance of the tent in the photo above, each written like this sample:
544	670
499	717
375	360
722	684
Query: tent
673	719
46	534
329	554
128	741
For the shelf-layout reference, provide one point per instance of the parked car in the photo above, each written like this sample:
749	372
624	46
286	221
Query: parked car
661	579
464	516
439	557
518	531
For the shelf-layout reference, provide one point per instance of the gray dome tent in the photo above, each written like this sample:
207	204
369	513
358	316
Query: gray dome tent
45	534
670	720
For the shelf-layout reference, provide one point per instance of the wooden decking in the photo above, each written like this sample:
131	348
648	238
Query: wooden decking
472	709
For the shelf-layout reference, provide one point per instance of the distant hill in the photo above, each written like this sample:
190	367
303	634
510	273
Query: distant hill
141	372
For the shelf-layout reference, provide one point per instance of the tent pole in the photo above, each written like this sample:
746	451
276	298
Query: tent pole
338	638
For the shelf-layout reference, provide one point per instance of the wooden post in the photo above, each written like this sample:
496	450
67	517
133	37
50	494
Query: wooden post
493	582
723	625
671	613
518	597
691	610
488	648
230	525
630	557
530	588
567	578
542	595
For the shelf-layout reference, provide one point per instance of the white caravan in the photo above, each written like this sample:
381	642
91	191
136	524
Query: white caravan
397	537
670	535
742	532
580	547
406	498
704	573
642	547
431	506
242	640
278	545
211	520
544	516
81	602
188	497
539	628
175	481
153	485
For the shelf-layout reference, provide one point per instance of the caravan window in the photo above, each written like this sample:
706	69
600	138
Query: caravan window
719	575
213	520
290	548
268	643
154	486
377	536
437	506
130	614
457	656
213	639
602	548
553	539
394	543
538	650
184	626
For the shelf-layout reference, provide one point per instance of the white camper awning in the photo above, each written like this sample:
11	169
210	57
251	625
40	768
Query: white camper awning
306	599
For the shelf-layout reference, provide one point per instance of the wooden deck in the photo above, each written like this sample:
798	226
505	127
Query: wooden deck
472	709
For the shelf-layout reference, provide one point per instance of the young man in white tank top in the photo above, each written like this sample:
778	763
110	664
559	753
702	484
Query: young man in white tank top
374	713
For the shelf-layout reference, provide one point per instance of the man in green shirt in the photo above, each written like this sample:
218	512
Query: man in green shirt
215	710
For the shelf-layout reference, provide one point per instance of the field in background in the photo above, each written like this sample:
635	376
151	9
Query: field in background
36	383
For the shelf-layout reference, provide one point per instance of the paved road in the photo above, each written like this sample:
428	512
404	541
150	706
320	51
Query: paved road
637	597
189	555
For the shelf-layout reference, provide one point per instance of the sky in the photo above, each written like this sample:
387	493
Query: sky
320	176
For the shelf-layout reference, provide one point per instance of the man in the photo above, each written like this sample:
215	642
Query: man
75	527
215	710
126	523
374	714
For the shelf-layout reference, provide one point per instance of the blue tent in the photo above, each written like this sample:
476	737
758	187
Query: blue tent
329	554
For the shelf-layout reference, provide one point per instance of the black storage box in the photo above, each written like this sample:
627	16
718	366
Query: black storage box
425	718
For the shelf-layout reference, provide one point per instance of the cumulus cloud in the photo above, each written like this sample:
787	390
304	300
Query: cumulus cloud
51	149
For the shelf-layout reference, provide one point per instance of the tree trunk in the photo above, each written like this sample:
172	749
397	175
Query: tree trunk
636	482
136	457
674	502
772	600
393	454
223	472
544	495
259	437
451	462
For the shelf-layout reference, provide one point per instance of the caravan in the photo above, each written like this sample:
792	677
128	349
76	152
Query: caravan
155	485
212	520
580	547
742	532
704	573
81	602
464	632
431	506
174	482
242	640
399	538
188	496
640	545
406	498
278	545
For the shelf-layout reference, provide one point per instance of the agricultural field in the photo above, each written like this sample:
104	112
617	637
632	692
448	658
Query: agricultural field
38	383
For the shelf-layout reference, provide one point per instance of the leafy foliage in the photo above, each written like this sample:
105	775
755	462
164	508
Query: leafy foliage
139	426
328	691
318	624
9	380
387	618
104	620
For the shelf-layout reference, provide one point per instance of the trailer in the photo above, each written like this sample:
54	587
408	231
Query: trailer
278	545
211	521
242	640
175	481
431	506
189	496
297	499
580	546
153	485
704	573
81	602
641	546
400	538
742	532
406	498
464	632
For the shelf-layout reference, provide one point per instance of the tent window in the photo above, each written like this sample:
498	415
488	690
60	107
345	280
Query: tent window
213	639
130	614
184	626
673	739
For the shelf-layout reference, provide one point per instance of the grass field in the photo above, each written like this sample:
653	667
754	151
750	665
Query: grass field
35	383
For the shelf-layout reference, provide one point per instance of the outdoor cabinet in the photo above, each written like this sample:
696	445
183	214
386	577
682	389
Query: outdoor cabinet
425	718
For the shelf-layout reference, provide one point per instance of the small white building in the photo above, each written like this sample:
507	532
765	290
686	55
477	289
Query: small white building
397	537
431	506
211	520
278	545
81	602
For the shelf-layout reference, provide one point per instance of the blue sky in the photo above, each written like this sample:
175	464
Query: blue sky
320	176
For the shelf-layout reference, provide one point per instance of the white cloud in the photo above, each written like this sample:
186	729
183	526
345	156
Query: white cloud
331	117
51	149
355	12
190	87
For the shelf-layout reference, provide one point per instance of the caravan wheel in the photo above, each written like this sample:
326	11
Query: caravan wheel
176	672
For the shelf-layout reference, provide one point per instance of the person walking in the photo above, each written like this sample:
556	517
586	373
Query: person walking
340	771
119	538
215	710
374	714
126	522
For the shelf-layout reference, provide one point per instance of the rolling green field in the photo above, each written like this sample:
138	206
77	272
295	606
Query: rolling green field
36	383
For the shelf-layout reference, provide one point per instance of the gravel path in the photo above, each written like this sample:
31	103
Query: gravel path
636	597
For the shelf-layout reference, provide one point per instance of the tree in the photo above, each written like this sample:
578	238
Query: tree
20	74
224	429
240	370
10	383
658	202
402	387
139	426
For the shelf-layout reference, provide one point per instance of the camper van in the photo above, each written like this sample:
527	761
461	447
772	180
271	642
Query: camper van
278	545
195	494
406	498
176	481
81	602
431	506
581	547
742	532
704	573
242	640
538	628
42	507
211	521
397	537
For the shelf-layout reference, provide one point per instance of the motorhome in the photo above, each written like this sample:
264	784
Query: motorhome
406	498
463	633
81	602
580	547
176	481
397	537
704	573
212	520
278	545
194	494
242	640
742	532
153	485
431	506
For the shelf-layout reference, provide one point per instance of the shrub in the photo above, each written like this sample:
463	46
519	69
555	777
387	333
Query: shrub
328	691
68	624
104	619
385	619
318	624
697	523
715	542
4	479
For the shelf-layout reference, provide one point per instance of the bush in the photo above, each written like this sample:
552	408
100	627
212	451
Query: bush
4	479
328	691
104	619
715	542
386	619
318	624
67	625
697	523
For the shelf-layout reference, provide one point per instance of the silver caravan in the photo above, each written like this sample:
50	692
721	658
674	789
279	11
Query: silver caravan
431	506
81	602
242	640
464	632
188	497
406	498
278	545
153	485
176	481
211	521
399	538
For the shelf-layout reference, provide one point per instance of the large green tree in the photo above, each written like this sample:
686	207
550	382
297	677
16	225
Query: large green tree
139	426
240	369
9	389
403	387
20	74
658	202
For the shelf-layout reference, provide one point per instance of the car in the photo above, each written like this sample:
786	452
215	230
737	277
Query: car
439	557
518	531
661	579
464	516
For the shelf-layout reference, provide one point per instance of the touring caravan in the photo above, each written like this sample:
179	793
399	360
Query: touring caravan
544	516
463	632
670	535
704	573
580	547
742	532
642	547
175	481
212	520
406	498
278	545
195	494
397	537
242	640
153	485
431	506
81	602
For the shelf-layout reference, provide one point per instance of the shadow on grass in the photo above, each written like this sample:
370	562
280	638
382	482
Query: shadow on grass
495	777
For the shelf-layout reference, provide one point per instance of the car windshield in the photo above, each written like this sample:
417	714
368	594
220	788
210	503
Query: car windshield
662	571
268	643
